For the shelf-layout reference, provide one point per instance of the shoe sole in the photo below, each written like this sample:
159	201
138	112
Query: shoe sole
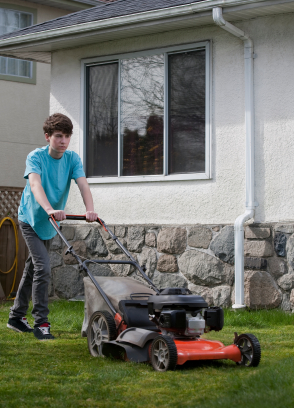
17	330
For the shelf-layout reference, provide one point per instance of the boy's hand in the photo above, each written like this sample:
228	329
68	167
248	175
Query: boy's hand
59	215
91	216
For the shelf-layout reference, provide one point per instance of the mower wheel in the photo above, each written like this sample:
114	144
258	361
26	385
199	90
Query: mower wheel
101	328
250	350
163	353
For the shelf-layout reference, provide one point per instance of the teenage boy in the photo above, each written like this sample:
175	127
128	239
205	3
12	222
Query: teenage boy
49	171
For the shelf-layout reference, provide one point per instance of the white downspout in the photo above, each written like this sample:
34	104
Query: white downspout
249	125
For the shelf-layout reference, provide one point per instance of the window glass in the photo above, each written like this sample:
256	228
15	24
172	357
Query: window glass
102	121
142	106
186	139
11	20
130	124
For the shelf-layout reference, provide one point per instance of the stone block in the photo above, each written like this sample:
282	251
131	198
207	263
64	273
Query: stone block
203	269
68	232
258	249
82	232
148	258
261	291
216	229
223	245
221	296
286	305
199	237
257	232
114	248
100	269
283	227
292	299
95	244
286	282
68	282
136	238
290	251
280	242
121	269
169	280
55	259
81	250
120	231
56	243
203	291
255	263
150	239
172	240
104	233
277	267
167	263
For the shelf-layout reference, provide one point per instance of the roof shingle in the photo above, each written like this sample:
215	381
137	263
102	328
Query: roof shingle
101	12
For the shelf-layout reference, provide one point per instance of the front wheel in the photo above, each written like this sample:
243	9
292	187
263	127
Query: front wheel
250	350
101	328
163	354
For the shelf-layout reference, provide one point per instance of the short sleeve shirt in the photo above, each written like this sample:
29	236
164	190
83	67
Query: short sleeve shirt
56	176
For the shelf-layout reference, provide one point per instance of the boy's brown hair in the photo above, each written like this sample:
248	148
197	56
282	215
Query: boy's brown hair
58	121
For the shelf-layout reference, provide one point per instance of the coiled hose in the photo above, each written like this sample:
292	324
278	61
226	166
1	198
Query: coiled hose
14	265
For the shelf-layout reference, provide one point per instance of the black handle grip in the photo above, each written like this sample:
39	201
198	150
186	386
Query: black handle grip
76	217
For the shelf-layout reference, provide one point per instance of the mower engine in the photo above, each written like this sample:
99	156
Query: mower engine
177	312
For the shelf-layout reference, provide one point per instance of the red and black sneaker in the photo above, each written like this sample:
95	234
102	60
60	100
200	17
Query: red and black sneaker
42	332
19	325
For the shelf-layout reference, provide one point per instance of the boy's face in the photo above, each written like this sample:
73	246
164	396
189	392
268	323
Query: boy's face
58	143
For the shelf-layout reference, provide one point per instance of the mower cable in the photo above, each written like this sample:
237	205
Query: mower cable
14	265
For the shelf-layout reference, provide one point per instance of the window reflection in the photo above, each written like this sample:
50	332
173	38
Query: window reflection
102	120
187	112
142	108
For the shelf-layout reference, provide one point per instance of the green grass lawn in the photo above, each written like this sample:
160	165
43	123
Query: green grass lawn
61	373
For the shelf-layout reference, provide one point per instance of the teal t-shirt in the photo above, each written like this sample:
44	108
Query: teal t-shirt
56	176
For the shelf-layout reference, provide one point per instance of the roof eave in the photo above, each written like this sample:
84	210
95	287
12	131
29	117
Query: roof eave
69	37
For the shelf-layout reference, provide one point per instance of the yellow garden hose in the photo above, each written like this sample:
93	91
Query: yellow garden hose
14	265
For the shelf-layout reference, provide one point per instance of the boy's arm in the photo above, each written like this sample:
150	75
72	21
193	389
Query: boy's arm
83	185
40	196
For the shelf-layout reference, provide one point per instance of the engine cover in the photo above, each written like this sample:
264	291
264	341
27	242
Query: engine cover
187	302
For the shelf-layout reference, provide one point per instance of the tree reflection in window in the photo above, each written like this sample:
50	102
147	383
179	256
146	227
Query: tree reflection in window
186	138
142	109
102	120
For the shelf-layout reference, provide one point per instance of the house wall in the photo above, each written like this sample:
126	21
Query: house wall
23	109
222	198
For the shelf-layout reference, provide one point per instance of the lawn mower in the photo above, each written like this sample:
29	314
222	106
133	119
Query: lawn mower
126	319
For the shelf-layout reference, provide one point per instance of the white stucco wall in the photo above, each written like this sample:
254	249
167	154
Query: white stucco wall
23	109
221	199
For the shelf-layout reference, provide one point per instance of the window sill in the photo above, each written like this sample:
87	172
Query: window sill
143	179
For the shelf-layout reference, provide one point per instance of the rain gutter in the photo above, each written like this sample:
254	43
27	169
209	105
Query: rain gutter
249	126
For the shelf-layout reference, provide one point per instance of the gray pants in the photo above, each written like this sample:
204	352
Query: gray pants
35	279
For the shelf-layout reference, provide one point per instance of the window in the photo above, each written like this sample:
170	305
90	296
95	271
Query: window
12	68
147	116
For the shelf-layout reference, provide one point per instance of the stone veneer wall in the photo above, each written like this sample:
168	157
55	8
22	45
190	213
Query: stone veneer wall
200	257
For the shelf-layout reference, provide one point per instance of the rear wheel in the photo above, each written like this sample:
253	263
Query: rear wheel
101	328
163	354
250	350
